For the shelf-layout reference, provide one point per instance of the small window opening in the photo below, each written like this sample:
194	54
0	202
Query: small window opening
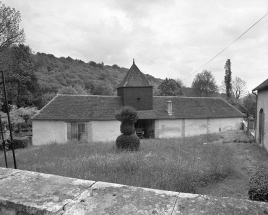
77	131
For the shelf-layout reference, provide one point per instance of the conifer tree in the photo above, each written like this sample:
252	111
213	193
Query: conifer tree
228	79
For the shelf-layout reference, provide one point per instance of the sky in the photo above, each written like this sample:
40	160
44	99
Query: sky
167	38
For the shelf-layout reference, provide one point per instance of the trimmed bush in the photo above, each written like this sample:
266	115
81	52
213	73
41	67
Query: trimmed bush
128	140
127	114
127	128
258	184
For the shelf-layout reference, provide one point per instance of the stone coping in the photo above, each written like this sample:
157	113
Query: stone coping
23	192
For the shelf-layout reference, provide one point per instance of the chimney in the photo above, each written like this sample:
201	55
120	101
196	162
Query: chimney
169	107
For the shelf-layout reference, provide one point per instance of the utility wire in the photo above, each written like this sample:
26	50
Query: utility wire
227	46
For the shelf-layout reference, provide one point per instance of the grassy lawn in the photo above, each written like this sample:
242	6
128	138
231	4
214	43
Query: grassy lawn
184	165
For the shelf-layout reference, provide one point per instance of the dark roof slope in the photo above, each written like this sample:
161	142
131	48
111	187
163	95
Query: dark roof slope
85	108
134	78
80	107
190	107
263	85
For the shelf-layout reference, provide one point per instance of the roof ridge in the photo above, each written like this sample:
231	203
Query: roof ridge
45	106
86	95
190	97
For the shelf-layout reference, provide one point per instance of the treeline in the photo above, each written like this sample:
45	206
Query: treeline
60	74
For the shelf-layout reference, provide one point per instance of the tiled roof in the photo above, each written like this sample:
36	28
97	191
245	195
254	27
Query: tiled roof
80	107
85	108
262	85
134	78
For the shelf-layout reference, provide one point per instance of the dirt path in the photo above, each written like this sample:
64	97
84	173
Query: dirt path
247	156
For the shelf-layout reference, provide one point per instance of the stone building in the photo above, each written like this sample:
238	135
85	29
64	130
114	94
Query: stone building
92	117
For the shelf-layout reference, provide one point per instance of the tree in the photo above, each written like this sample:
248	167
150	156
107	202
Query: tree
22	83
68	90
238	87
228	78
249	102
170	87
10	33
204	84
80	90
19	115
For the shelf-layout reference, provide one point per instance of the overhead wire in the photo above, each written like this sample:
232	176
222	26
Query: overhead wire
227	46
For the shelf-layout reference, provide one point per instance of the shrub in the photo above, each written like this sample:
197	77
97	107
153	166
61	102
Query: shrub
19	143
244	138
258	184
127	114
127	128
128	140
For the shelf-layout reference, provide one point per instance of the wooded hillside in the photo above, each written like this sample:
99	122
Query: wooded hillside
95	78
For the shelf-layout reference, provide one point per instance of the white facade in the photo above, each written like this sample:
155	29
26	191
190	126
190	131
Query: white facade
224	124
196	127
189	127
168	128
105	131
262	105
46	132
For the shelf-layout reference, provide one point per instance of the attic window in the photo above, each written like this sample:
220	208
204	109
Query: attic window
138	99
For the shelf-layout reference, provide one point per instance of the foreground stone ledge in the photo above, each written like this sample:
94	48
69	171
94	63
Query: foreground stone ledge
108	198
38	193
200	204
25	193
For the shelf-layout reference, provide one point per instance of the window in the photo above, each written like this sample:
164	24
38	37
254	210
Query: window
77	131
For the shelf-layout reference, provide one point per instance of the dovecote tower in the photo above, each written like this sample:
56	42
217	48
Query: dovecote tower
135	90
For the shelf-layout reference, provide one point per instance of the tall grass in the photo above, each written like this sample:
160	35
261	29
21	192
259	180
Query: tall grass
169	164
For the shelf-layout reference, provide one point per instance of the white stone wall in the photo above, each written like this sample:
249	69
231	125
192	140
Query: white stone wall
195	127
46	132
178	128
105	131
168	128
262	102
224	124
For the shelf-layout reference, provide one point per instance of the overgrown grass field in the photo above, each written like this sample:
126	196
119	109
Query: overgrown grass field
170	164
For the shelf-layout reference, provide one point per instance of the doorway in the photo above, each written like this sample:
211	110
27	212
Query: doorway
261	126
145	128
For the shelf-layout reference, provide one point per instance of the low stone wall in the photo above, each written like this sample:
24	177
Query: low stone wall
25	193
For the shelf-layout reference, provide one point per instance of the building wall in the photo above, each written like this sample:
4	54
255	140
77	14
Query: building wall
224	124
168	128
45	132
105	131
262	103
195	127
189	127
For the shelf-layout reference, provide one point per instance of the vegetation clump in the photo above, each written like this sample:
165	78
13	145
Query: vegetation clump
128	140
258	184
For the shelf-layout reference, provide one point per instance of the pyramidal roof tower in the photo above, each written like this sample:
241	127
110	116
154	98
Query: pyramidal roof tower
135	90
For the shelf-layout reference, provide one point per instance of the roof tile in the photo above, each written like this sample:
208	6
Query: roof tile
93	107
